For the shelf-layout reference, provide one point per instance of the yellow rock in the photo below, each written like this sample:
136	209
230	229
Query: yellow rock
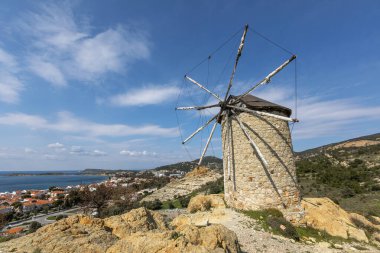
205	202
324	214
140	230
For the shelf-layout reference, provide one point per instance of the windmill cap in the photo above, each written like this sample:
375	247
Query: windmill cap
259	104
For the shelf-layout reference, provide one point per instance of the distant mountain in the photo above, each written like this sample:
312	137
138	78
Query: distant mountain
103	171
358	143
212	162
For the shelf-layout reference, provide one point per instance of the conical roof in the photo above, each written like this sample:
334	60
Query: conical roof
259	104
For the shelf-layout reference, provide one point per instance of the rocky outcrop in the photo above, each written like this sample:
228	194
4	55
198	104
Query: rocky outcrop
186	185
324	214
140	230
75	234
205	202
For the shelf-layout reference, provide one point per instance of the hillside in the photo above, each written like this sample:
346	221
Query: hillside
347	172
211	162
193	181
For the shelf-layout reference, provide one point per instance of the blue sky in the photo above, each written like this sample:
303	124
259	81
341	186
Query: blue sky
93	84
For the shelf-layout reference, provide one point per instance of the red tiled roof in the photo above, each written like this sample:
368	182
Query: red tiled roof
14	230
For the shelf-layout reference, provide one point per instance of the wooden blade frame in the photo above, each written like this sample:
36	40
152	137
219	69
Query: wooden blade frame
200	129
204	88
268	77
208	142
240	49
228	140
196	107
258	152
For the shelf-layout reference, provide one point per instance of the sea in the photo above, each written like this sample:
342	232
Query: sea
34	180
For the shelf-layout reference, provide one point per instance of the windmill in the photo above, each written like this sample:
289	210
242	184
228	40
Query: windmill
259	170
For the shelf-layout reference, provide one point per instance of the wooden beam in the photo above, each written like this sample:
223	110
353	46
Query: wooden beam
207	143
268	77
258	152
240	49
204	88
263	113
196	107
200	129
228	139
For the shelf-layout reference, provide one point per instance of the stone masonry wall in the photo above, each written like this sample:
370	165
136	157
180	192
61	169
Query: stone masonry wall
251	186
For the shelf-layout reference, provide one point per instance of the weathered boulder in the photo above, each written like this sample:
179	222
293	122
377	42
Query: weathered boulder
140	230
215	238
201	219
205	202
324	214
75	234
137	220
362	221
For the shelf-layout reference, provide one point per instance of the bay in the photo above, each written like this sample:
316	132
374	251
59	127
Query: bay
35	181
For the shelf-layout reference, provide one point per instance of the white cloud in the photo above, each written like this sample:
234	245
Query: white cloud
68	123
10	84
98	153
137	153
56	145
110	51
30	151
10	88
7	59
146	96
319	117
78	150
68	50
47	70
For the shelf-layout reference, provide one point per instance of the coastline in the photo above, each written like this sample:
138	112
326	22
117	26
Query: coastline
10	183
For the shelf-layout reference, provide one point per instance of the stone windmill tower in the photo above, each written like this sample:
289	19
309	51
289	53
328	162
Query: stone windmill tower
259	169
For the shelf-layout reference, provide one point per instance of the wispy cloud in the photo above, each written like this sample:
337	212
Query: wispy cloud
55	145
151	95
10	84
320	117
137	153
30	151
47	70
68	123
78	150
63	48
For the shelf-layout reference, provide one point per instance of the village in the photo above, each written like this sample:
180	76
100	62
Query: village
22	209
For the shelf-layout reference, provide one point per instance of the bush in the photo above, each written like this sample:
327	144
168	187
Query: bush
348	193
153	205
283	227
184	201
33	226
60	217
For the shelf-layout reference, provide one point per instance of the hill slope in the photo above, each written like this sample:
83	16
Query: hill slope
211	162
348	172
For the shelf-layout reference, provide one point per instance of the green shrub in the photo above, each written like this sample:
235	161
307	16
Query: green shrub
283	227
33	226
184	201
60	217
153	205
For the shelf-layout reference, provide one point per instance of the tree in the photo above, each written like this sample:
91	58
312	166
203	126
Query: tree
98	198
18	206
33	226
5	218
58	203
